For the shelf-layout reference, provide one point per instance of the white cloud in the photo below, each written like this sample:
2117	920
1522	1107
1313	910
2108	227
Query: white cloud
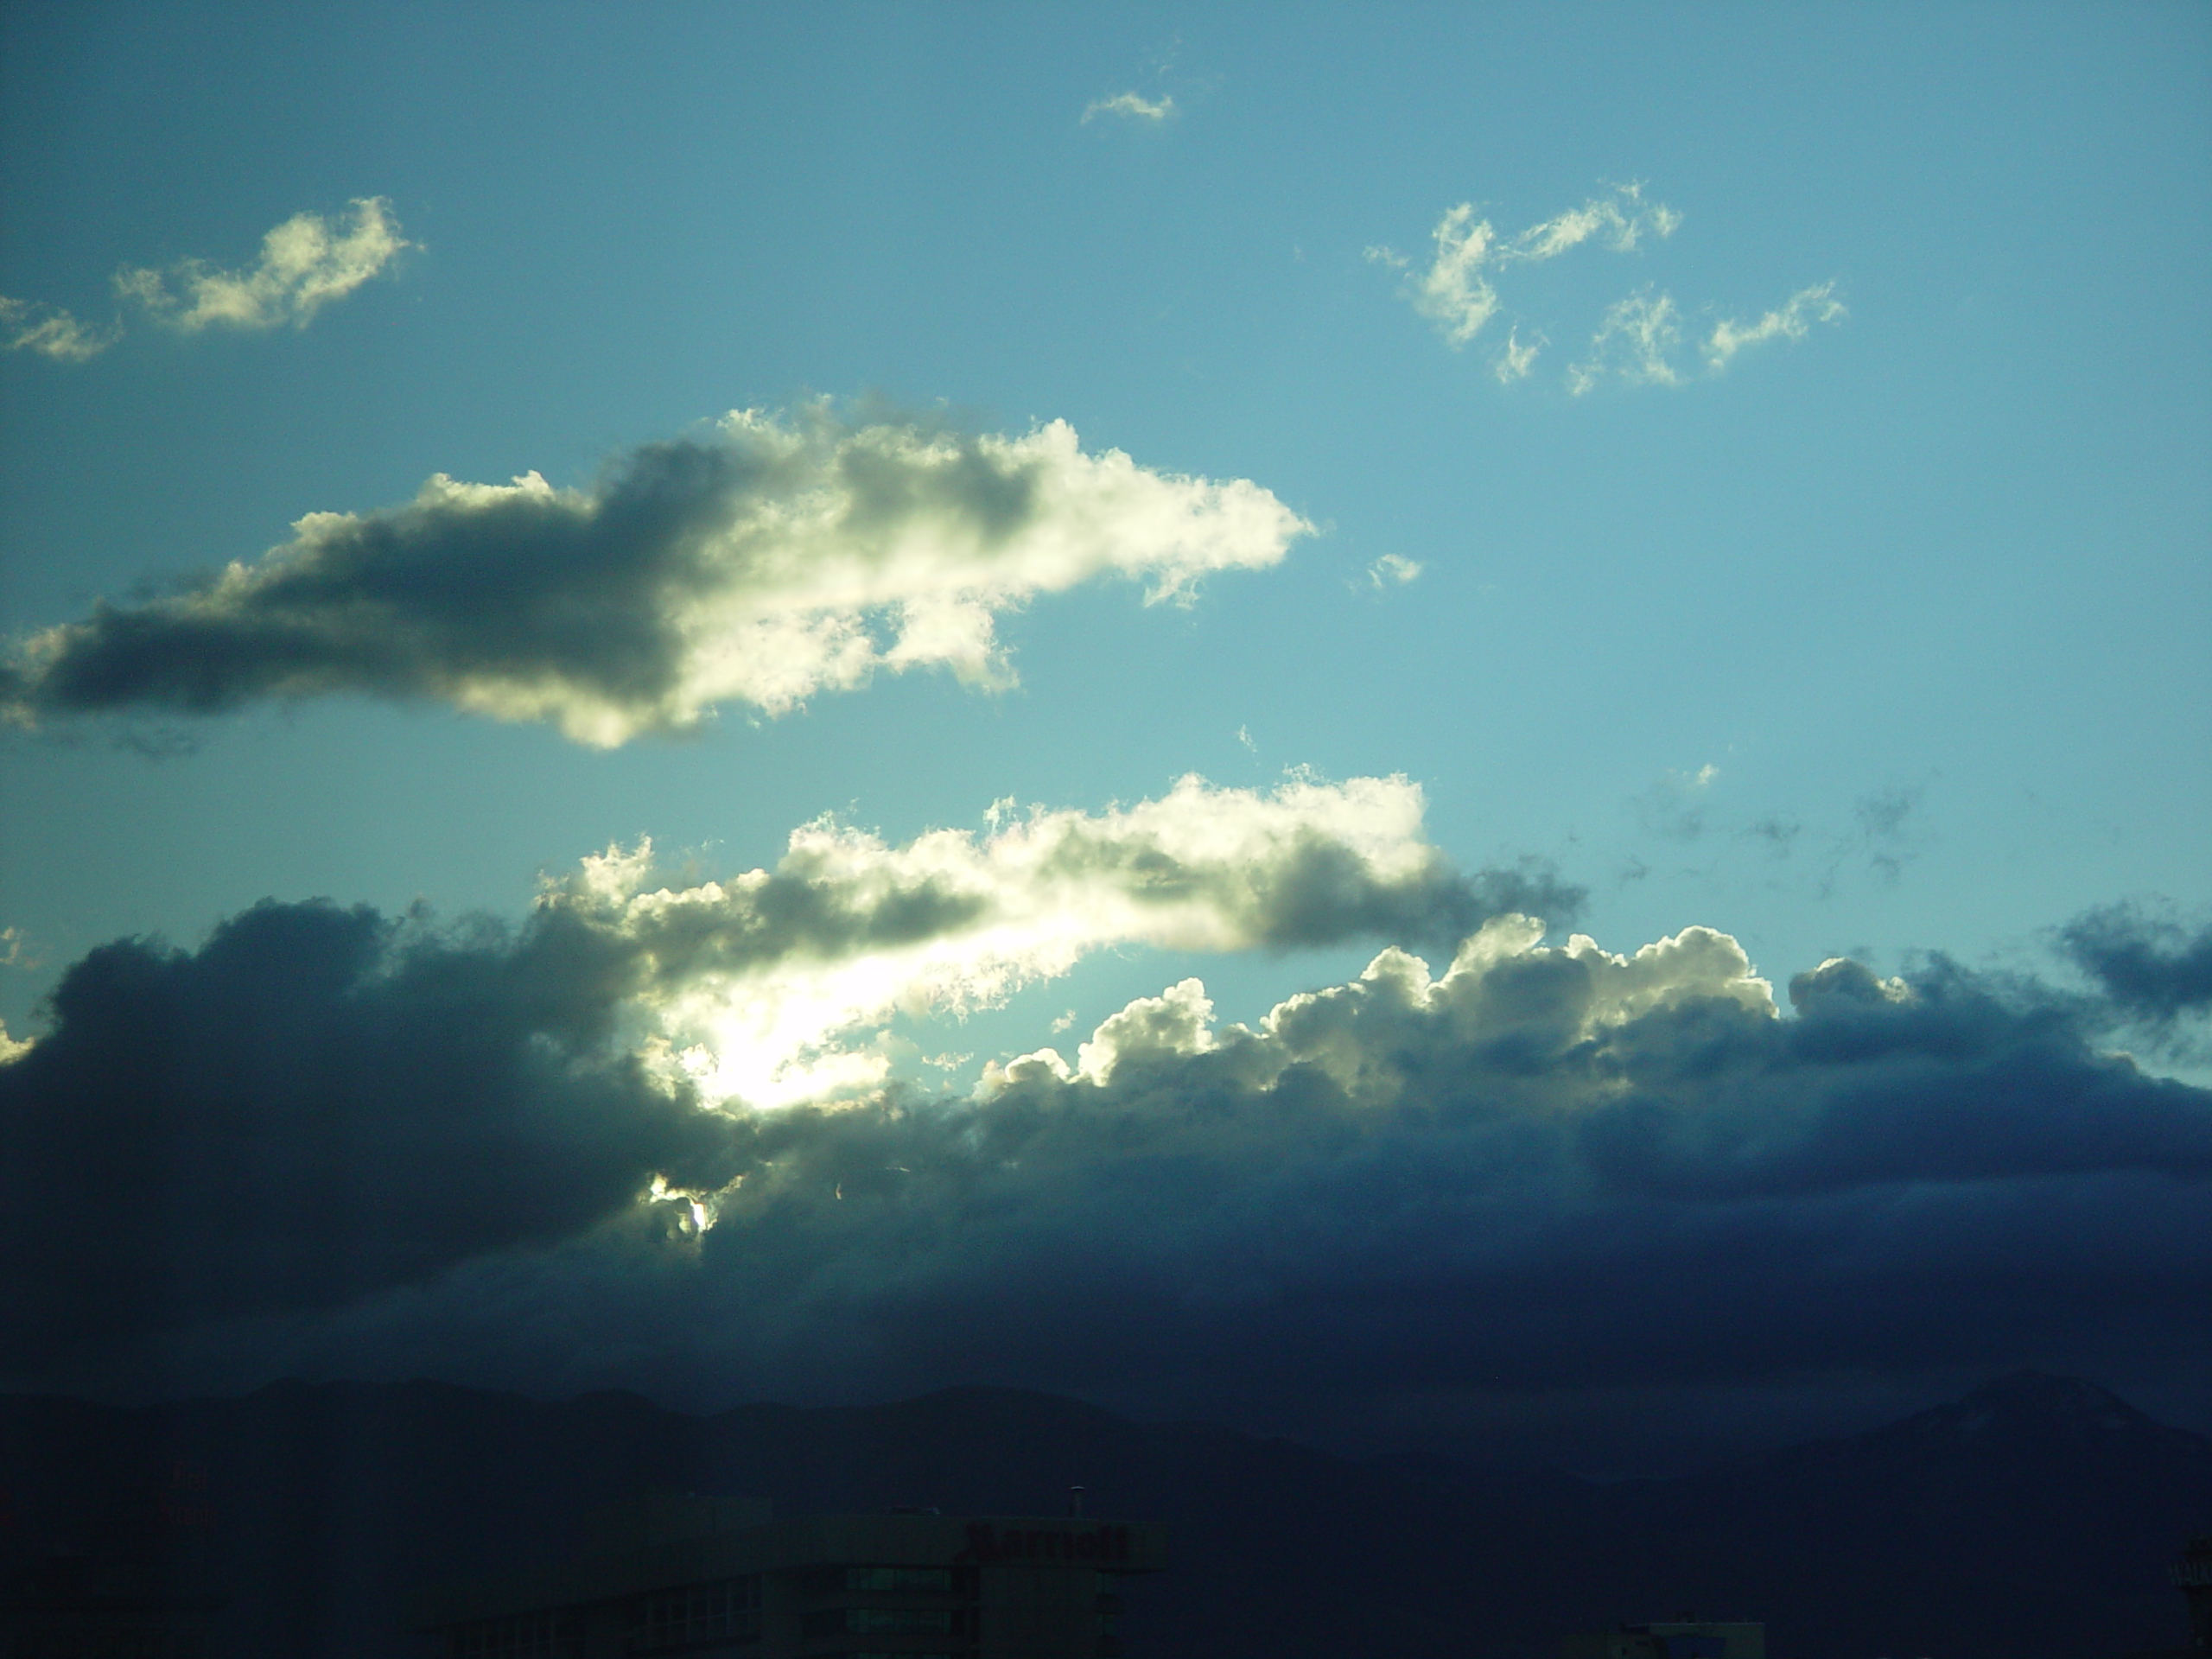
1635	342
1453	293
1793	320
1393	570
11	1049
306	262
773	988
1620	220
1132	107
1456	292
1518	358
775	560
30	326
1368	1036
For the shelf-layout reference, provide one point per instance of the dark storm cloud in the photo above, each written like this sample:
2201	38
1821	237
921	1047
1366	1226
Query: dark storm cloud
318	1104
321	1104
762	564
1547	1170
2153	969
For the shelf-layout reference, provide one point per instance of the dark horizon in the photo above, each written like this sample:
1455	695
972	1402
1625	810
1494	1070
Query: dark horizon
2034	1514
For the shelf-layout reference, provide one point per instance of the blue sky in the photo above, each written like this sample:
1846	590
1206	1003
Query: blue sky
1884	636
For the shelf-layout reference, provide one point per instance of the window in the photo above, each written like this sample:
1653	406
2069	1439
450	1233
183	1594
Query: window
888	1621
910	1621
696	1613
524	1636
905	1580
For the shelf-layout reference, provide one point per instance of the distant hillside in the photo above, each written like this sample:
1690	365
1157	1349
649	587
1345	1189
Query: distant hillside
2032	1517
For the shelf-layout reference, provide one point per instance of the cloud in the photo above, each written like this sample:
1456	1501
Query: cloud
321	1104
30	326
1393	570
1453	293
306	262
1674	806
1456	292
1620	221
1130	106
1793	320
331	1139
762	564
318	1104
2153	968
1540	1169
1635	342
1518	358
1639	338
766	988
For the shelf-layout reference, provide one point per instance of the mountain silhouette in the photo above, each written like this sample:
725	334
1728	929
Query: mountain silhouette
2033	1516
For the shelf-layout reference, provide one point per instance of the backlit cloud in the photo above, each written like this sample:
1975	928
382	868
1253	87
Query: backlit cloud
306	262
320	1104
762	564
1528	1168
768	987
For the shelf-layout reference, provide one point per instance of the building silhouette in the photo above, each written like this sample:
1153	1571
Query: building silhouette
717	1578
1686	1637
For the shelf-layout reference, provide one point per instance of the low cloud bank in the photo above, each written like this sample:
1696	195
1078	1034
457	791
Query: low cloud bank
321	1105
769	562
764	988
317	1105
1542	1169
646	1138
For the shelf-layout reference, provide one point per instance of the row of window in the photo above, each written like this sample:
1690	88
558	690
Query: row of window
887	1581
522	1635
729	1610
890	1621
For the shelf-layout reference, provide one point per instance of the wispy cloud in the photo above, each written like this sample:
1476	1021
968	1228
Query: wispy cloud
1455	292
1636	341
1393	570
1519	357
306	262
1131	106
1620	221
30	326
1792	320
1640	339
772	560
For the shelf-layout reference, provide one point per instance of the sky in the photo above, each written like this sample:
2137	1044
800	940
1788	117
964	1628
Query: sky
1484	731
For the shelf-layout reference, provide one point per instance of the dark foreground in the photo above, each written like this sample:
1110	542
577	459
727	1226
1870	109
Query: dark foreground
2034	1517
